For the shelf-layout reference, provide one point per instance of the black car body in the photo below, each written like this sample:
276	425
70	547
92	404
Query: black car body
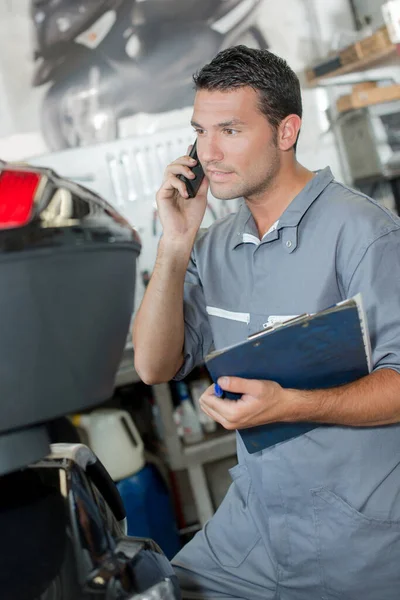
65	542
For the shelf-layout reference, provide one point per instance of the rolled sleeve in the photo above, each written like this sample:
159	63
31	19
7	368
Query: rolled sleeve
198	335
377	278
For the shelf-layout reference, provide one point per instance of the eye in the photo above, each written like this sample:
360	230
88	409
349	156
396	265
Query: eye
198	130
229	131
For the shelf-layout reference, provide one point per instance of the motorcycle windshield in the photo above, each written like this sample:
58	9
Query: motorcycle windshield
57	24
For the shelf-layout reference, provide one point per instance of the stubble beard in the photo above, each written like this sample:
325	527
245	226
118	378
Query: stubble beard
252	189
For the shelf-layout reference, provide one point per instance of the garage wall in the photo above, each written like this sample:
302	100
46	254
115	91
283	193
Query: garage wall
289	30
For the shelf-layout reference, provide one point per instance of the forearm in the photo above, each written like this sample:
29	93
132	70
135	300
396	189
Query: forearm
372	400
158	331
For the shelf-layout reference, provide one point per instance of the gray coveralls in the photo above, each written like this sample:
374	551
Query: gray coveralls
316	516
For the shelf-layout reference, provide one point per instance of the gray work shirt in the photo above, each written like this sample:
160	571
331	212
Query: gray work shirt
330	244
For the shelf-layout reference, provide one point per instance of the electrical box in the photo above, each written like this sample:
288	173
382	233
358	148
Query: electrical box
371	138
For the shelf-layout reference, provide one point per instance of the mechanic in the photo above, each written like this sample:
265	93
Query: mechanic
318	515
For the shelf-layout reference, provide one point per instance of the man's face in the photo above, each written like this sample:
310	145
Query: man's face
236	145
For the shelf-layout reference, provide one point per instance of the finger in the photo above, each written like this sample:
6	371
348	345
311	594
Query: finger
173	183
184	160
217	417
228	409
208	392
179	169
238	385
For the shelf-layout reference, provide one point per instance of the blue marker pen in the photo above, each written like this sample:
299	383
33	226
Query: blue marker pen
219	392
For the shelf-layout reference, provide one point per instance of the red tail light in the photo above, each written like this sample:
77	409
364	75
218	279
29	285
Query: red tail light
17	194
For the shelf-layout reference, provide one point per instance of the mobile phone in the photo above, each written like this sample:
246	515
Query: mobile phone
192	185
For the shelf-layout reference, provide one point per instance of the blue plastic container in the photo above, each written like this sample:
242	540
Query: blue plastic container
149	510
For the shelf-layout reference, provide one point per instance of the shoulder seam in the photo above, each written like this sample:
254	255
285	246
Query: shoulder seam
387	211
368	247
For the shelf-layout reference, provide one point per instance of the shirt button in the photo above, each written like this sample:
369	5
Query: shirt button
288	244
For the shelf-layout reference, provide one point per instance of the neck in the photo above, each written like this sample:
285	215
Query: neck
268	206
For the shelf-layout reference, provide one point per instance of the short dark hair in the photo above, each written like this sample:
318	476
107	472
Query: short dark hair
276	83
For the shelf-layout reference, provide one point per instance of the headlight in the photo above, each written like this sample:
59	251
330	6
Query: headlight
161	591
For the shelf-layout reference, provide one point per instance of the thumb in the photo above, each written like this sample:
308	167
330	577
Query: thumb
238	385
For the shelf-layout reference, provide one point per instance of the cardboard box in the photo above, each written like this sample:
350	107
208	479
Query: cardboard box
351	54
376	42
372	47
366	94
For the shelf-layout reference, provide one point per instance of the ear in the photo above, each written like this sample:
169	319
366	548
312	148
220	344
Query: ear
288	132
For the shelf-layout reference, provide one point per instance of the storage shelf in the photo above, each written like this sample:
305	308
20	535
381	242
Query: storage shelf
333	78
214	447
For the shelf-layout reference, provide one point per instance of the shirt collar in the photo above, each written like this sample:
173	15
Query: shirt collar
291	217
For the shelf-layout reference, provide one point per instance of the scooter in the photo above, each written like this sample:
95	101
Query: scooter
106	60
67	263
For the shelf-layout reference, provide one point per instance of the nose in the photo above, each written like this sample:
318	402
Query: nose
209	151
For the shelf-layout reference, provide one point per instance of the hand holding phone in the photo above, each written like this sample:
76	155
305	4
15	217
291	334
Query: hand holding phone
192	185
